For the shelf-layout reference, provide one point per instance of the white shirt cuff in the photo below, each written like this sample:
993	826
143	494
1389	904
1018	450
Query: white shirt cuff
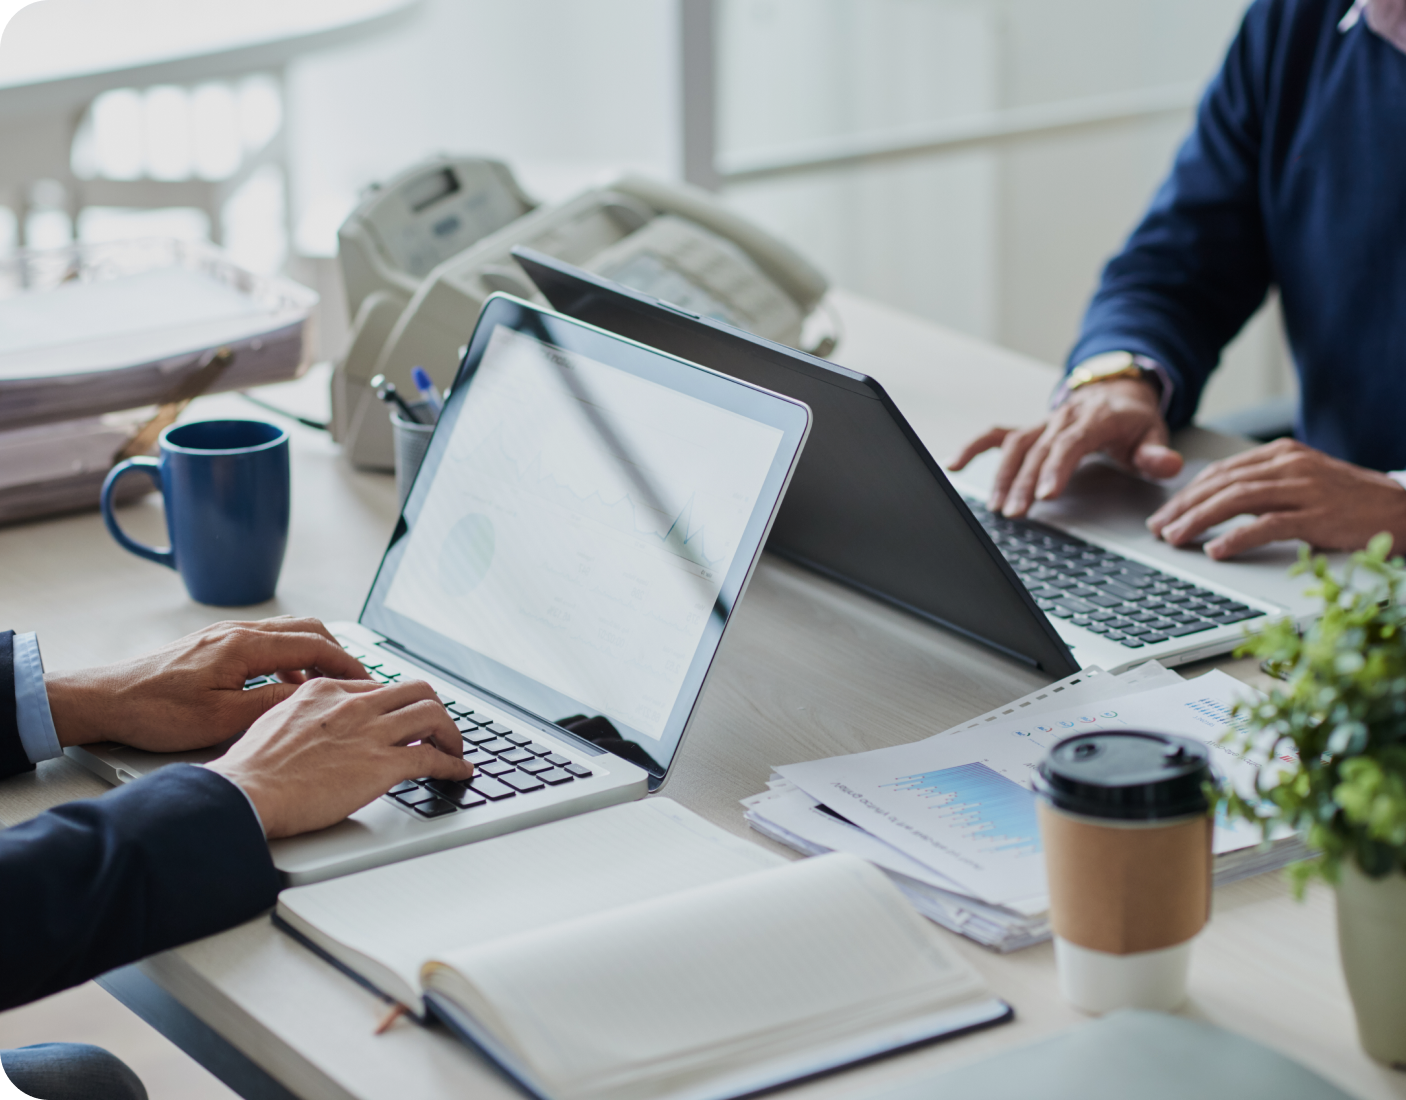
36	722
1398	476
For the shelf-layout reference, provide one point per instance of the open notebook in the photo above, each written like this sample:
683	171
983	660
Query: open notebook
641	953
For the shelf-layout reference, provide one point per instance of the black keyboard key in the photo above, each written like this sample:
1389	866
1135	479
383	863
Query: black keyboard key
480	737
1103	616
517	756
1097	628
478	758
404	788
554	777
445	699
446	787
491	789
1105	602
536	749
413	798
558	760
436	807
1131	643
1236	616
458	711
1152	639
1115	635
500	729
1189	628
517	738
532	767
580	771
495	768
498	745
522	783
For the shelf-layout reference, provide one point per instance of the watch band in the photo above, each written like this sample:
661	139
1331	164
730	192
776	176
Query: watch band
1115	364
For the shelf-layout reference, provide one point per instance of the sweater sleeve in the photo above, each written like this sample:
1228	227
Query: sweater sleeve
1197	267
99	883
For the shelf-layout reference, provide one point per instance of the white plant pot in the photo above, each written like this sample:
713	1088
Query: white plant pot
1372	942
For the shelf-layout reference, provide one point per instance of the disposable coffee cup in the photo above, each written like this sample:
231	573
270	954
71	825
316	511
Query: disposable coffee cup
1127	838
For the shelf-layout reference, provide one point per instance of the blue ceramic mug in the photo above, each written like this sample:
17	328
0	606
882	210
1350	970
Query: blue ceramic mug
225	486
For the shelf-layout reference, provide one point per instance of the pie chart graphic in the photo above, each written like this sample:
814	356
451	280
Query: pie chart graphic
467	554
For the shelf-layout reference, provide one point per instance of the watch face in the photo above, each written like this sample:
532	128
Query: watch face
1110	362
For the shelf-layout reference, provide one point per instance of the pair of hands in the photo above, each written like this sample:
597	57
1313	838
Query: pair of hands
321	744
1294	491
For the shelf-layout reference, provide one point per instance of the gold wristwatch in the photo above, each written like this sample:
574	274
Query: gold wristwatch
1109	365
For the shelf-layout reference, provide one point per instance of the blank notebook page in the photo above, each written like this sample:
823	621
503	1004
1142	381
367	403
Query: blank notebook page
402	914
707	979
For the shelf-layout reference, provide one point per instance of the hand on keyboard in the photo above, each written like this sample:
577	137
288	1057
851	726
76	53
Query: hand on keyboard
1120	417
190	694
336	745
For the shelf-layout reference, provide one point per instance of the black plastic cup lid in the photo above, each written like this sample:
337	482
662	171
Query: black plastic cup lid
1126	774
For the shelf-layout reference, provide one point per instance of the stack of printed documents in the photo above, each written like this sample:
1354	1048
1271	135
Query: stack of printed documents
951	819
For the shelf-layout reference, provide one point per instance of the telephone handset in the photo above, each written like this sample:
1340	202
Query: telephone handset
674	242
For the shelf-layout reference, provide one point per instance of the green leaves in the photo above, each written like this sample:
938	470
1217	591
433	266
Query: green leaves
1332	741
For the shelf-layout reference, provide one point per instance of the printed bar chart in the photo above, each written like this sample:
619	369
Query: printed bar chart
983	807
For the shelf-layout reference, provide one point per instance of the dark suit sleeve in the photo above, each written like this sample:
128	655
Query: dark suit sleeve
95	884
13	758
1198	265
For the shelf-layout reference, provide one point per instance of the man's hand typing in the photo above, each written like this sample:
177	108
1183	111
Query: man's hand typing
1297	493
336	745
1120	417
190	694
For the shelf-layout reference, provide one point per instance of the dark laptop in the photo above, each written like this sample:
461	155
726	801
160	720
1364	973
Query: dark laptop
868	505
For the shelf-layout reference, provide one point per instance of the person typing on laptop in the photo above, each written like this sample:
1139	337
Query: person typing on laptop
1294	177
182	853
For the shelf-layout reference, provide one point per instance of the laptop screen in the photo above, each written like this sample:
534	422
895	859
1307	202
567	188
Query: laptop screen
585	518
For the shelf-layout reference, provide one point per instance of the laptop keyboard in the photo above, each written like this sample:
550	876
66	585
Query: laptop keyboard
1127	602
506	763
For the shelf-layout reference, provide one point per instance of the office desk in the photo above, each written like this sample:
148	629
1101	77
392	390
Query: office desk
809	669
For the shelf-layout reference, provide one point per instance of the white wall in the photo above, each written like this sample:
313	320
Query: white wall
1005	243
565	92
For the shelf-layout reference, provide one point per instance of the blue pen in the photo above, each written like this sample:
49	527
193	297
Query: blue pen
428	394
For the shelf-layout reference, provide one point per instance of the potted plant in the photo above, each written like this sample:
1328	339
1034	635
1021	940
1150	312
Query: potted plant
1332	745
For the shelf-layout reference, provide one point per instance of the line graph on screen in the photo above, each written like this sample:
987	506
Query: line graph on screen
623	506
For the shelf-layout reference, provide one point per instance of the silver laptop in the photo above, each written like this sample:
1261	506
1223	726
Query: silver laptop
1185	605
587	517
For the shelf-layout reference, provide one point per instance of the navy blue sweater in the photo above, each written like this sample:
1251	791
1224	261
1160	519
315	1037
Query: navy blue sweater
1295	177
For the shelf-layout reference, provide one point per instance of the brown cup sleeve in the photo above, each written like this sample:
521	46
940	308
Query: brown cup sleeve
1126	889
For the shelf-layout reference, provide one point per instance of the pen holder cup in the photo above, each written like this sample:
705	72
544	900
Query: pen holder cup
411	443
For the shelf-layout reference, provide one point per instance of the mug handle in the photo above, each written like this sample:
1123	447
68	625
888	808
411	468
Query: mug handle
152	468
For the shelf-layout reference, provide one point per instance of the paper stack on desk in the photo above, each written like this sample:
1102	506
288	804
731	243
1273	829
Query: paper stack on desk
952	818
91	330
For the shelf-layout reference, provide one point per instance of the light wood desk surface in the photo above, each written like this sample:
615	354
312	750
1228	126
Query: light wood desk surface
809	669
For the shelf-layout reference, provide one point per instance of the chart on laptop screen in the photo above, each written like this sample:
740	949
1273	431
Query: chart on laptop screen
580	526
